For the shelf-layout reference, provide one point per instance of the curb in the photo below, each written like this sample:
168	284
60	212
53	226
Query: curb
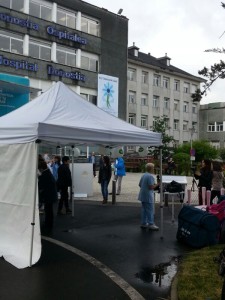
173	293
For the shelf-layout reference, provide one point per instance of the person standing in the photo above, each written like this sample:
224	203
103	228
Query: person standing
146	196
92	160
217	180
64	181
119	172
205	178
104	177
47	192
55	166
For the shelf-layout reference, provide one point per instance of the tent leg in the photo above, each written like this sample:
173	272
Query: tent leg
34	207
161	194
72	187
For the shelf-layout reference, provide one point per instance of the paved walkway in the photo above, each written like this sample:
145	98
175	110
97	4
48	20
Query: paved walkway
130	189
100	253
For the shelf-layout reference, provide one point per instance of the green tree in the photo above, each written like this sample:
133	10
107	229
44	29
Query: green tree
161	125
203	150
222	153
212	74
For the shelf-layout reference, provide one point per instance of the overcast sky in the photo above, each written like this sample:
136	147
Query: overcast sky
181	28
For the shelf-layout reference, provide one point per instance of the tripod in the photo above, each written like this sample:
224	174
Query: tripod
194	183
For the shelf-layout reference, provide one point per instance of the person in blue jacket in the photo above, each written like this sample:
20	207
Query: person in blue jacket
119	172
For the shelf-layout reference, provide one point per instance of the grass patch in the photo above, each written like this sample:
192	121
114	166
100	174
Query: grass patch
197	277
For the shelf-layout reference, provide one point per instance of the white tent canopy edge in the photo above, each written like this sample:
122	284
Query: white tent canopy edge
58	116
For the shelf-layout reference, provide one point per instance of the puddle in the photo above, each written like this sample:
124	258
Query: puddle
161	274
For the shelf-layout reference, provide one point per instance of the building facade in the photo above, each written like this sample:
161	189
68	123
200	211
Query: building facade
212	123
155	89
71	41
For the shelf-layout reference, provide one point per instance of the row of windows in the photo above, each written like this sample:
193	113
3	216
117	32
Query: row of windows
14	43
156	102
131	75
65	17
144	122
217	126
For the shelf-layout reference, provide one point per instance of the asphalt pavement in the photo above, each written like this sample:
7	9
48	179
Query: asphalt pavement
101	253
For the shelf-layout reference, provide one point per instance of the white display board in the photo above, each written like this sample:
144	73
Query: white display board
82	174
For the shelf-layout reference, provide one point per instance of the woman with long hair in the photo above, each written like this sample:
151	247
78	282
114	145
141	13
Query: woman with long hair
205	178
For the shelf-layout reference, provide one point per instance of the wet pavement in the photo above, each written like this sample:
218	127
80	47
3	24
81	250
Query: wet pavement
101	253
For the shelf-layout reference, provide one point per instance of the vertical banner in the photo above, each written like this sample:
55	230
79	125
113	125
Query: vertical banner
108	94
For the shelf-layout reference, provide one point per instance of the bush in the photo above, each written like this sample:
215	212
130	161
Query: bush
183	163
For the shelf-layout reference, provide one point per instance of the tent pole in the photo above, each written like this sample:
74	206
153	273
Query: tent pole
34	203
161	194
72	189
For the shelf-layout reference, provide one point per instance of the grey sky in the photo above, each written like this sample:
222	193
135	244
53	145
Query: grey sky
181	28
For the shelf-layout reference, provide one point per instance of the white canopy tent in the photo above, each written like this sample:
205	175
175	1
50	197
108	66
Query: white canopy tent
58	116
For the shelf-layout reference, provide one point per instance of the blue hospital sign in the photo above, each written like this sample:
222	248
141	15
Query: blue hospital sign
12	94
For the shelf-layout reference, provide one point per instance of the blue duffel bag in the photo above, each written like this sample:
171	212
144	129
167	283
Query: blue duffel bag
197	228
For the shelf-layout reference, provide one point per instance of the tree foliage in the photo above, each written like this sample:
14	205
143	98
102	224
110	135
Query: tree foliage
161	125
203	150
212	74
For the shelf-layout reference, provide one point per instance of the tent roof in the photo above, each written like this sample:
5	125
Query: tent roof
63	117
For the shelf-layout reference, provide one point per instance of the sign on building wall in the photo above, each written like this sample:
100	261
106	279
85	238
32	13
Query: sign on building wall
10	96
108	94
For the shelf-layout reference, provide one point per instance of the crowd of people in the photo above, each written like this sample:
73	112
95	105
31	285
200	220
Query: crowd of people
55	178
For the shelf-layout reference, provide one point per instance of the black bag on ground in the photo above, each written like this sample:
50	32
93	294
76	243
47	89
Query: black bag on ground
197	228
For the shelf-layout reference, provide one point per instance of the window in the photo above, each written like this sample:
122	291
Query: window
130	148
194	126
144	77
89	62
219	126
39	49
132	119
193	88
167	121
215	144
166	82
176	105
186	87
211	127
66	56
166	103
155	101
132	97
42	11
90	26
176	125
11	42
131	74
12	4
156	80
185	107
155	122
144	99
66	18
89	98
144	121
176	85
194	109
185	125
